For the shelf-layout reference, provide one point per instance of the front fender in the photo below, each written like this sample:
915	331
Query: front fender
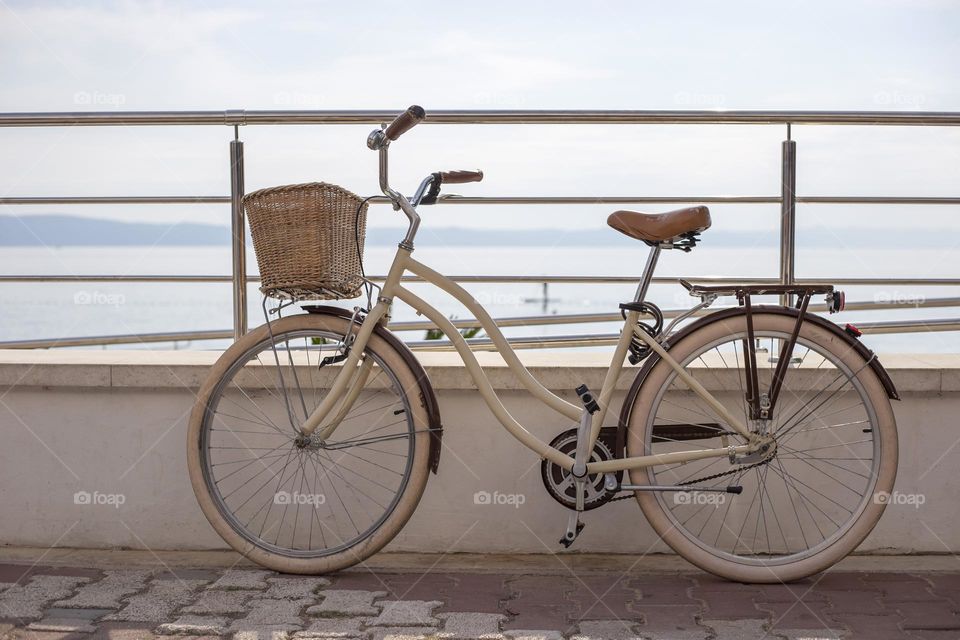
427	395
723	314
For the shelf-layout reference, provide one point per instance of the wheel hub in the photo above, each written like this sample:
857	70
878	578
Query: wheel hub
311	442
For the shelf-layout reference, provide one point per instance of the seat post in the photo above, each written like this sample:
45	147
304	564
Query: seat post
647	273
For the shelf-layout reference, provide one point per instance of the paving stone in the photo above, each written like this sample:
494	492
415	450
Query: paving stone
524	634
874	627
398	613
799	615
669	589
158	602
29	634
738	629
262	633
343	602
283	615
477	592
603	598
243	579
85	614
728	605
333	628
108	592
358	580
809	634
539	603
538	616
676	621
194	625
932	634
183	573
803	590
416	586
843	581
21	573
403	633
607	630
63	625
899	587
221	601
471	626
294	588
935	615
124	631
856	602
26	602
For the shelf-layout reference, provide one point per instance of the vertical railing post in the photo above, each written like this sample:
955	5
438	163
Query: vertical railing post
788	213
238	230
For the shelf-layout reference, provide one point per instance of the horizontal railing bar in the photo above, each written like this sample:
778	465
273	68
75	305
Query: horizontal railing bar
130	338
517	279
607	339
456	199
530	342
589	318
272	117
876	200
910	326
116	200
477	344
515	200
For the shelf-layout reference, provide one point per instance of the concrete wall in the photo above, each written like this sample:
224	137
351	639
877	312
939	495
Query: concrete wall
115	423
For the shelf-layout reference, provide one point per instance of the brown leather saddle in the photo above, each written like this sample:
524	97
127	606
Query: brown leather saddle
654	228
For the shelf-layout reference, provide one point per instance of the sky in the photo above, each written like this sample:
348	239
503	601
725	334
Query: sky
885	55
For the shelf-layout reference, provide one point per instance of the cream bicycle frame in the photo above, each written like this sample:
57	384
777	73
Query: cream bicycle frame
353	375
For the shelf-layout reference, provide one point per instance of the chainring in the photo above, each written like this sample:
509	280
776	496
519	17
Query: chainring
559	482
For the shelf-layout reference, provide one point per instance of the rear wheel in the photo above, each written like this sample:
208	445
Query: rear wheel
302	505
805	507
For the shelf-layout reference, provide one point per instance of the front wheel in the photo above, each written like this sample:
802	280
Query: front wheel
304	505
809	504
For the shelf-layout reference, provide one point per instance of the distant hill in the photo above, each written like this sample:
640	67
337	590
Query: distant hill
60	230
64	230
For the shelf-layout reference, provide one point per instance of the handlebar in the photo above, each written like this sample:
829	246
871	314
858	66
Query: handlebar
459	177
380	139
404	122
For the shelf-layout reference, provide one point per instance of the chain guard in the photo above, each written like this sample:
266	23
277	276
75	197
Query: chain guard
559	483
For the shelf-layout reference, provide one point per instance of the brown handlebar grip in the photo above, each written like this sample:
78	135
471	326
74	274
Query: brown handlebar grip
404	122
458	177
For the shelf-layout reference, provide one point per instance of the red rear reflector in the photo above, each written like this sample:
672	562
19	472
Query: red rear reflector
852	330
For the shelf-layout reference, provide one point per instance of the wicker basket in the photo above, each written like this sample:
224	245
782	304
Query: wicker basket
305	237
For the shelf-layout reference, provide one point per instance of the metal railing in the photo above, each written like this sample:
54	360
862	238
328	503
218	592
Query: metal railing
239	279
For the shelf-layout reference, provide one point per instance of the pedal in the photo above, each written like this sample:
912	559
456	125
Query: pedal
574	527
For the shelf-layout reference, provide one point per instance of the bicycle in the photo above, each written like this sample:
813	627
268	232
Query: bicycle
771	478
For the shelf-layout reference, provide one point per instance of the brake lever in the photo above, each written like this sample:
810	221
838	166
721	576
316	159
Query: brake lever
434	192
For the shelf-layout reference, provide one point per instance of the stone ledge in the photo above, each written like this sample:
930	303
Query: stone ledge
143	369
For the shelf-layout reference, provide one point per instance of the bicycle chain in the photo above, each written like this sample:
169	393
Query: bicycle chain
703	479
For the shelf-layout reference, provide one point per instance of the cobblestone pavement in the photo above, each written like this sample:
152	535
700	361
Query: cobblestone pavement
56	602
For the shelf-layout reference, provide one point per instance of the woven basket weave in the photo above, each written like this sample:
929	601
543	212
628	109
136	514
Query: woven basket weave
305	237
